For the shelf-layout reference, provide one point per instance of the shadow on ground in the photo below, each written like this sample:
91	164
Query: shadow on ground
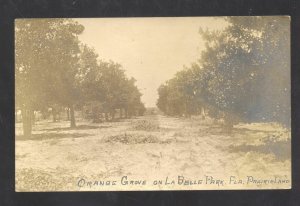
246	130
220	130
52	135
79	127
281	149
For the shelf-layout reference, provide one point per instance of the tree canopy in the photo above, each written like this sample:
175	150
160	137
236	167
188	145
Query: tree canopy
243	73
54	68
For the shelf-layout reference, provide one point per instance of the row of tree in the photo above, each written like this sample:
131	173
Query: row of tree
54	69
243	74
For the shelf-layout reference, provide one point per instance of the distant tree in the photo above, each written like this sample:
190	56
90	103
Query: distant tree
106	83
90	80
111	80
162	102
133	104
141	109
180	95
89	74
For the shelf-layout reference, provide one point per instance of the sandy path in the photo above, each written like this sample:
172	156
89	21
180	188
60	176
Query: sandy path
57	157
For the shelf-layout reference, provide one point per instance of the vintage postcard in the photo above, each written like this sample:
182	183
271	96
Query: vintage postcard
171	103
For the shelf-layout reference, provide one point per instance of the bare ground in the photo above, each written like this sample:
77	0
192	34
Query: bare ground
151	148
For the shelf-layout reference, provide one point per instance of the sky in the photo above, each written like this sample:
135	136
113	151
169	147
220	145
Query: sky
151	50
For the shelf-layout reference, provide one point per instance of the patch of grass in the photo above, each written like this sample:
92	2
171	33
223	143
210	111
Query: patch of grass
51	136
134	139
29	179
146	125
79	127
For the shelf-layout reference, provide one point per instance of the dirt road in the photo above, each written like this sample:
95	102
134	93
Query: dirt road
154	152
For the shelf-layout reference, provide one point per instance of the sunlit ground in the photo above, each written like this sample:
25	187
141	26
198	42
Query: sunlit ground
150	148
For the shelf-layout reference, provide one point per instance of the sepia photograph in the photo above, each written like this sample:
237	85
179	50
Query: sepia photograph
152	103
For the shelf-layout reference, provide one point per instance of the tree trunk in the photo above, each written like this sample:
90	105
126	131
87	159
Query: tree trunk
96	116
129	114
229	122
203	113
44	114
54	114
58	115
68	113
121	113
27	122
32	117
106	116
228	127
72	114
112	115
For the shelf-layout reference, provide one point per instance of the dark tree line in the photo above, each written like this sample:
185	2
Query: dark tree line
107	84
243	74
55	70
